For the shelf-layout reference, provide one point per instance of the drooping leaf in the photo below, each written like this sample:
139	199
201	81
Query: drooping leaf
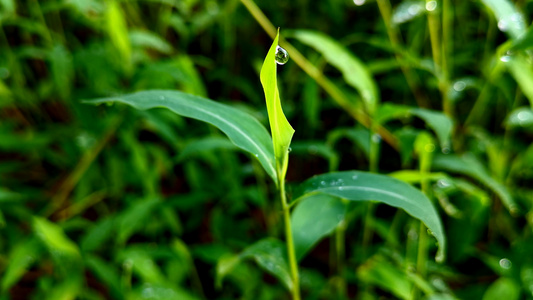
470	166
509	19
363	186
439	122
307	228
241	128
270	254
280	128
355	73
522	72
147	39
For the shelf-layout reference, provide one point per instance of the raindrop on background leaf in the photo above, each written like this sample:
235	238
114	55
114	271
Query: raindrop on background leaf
431	5
359	2
282	56
505	263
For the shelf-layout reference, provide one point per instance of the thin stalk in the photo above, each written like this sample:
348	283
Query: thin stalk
313	72
340	250
394	37
290	243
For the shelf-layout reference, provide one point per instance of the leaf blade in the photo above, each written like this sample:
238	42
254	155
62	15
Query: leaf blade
241	128
281	130
363	186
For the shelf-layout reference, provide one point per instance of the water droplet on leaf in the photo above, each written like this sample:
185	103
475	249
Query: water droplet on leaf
282	56
431	5
359	2
459	86
505	263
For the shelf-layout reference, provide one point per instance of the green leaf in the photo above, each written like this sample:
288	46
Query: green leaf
355	73
142	264
469	165
21	258
439	122
509	19
382	273
503	288
146	39
135	217
118	30
307	229
280	128
363	186
270	254
54	238
241	128
106	273
520	117
522	72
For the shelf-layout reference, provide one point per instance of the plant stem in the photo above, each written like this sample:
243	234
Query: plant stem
394	37
290	243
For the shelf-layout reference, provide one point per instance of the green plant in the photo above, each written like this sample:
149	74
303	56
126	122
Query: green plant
246	133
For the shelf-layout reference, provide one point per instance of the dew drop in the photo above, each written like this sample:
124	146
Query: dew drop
413	9
341	188
354	177
376	138
322	182
442	183
429	147
282	56
505	263
505	58
502	25
359	2
256	155
459	86
162	97
431	5
445	150
289	149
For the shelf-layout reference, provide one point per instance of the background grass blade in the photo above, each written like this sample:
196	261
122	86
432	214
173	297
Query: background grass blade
241	128
355	73
362	186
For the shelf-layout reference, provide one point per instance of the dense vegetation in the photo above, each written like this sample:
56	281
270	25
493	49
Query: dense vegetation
411	165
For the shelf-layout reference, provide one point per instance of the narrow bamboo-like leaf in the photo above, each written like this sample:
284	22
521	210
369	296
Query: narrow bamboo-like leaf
280	128
470	166
509	19
355	73
307	229
439	122
363	186
270	254
241	128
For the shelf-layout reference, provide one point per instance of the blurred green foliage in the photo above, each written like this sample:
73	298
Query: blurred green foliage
108	202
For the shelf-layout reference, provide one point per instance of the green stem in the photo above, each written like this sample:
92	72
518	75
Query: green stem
289	240
394	37
340	249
